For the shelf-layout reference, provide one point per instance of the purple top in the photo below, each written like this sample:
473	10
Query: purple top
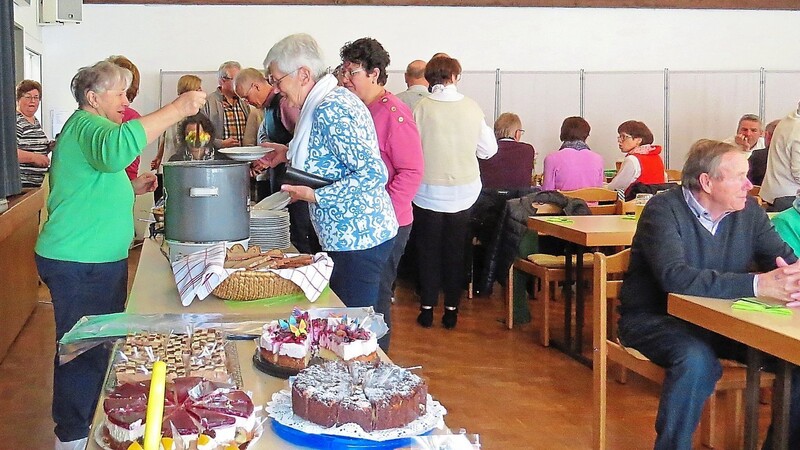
401	151
510	168
569	169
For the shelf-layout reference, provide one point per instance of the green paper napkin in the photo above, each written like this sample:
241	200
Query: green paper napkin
559	220
629	217
754	304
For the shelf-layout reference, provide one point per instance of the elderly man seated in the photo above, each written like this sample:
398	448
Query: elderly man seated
701	239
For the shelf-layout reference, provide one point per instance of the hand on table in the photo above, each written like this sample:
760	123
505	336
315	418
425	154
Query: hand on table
782	283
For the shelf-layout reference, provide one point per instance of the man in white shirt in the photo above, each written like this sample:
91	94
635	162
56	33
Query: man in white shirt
749	134
416	82
782	179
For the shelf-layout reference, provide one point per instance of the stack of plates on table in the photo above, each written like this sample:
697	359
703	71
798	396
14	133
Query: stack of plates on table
269	229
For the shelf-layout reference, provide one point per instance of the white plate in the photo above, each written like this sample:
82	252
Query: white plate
245	153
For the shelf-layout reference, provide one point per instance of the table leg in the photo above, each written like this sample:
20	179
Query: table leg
568	297
751	396
780	405
579	299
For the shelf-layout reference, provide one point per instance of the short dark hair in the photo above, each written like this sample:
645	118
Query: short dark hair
575	128
704	156
26	86
442	69
200	118
637	130
370	54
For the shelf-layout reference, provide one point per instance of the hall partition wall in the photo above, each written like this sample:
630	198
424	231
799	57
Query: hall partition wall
679	107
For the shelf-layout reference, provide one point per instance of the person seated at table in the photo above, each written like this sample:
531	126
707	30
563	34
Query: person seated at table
701	239
194	135
642	161
511	167
787	224
574	165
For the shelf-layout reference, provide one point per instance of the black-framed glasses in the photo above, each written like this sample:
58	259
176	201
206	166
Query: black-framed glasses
227	78
276	83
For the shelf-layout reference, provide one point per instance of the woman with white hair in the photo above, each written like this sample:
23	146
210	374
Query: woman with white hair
82	251
335	139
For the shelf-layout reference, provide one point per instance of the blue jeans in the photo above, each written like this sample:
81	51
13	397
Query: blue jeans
356	274
77	290
387	280
690	355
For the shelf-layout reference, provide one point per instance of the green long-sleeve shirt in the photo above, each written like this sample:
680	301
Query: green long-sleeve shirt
90	205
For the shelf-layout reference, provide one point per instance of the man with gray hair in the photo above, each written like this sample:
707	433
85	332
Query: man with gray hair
782	179
228	112
748	133
701	238
416	82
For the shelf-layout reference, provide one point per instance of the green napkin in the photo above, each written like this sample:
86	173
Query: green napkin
629	217
559	220
754	304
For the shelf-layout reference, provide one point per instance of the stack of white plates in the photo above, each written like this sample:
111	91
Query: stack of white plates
269	229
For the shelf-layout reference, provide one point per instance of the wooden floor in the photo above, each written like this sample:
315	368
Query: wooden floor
496	382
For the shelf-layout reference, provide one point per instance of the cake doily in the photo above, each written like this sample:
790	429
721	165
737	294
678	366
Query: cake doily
280	410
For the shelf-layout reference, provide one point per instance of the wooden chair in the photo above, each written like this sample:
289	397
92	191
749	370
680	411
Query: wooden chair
674	175
729	389
549	270
600	200
624	207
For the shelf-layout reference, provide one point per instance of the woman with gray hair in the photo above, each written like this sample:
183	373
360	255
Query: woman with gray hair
82	251
335	139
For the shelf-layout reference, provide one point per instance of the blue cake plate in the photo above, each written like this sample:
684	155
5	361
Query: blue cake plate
330	442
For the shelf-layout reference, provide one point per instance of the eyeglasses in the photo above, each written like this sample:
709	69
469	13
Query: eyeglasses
521	132
247	92
34	98
350	73
622	137
277	83
227	78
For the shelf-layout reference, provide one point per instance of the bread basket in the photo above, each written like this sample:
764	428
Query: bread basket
246	285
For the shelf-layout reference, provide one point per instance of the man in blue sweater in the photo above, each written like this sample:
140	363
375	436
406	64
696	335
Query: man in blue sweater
702	238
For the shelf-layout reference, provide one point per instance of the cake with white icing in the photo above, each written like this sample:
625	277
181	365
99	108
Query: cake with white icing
374	396
291	343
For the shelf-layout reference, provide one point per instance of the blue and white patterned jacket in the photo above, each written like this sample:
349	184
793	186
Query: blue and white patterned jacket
355	212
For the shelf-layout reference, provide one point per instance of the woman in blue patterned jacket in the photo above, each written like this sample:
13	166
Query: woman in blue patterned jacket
335	139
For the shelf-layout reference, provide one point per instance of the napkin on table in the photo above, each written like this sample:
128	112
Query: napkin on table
199	273
754	304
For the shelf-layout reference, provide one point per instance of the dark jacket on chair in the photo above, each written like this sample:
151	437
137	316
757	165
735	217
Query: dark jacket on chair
512	225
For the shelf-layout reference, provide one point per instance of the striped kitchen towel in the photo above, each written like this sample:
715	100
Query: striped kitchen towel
197	274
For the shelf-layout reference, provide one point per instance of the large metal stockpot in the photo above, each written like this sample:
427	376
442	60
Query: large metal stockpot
206	201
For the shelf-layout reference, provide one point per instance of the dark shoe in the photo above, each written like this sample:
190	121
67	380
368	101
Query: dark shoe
425	317
450	318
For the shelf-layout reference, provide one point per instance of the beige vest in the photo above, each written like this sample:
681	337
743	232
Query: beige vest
449	133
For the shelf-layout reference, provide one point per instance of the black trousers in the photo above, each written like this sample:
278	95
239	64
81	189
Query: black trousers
441	241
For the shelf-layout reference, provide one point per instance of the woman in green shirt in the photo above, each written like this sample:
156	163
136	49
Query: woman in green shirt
82	250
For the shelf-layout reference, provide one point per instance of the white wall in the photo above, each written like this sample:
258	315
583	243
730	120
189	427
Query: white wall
540	39
27	17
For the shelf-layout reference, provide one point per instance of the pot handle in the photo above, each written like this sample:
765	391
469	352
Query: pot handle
211	191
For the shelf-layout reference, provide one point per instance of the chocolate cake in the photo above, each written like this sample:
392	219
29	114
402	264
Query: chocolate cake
374	396
198	409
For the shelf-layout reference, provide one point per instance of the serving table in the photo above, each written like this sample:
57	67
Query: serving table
154	292
580	233
775	335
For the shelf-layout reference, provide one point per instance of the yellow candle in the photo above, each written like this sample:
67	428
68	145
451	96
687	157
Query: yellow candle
155	406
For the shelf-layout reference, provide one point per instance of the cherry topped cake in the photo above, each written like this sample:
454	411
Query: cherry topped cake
374	396
291	343
206	414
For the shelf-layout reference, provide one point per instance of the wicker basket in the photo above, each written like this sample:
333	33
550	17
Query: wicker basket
254	285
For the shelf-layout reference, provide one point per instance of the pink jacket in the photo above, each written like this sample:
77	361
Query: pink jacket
569	169
401	151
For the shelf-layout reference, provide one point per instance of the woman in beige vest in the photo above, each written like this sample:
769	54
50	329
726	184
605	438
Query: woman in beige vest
453	133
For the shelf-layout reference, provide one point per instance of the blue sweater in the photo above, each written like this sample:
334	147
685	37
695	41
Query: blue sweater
673	252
